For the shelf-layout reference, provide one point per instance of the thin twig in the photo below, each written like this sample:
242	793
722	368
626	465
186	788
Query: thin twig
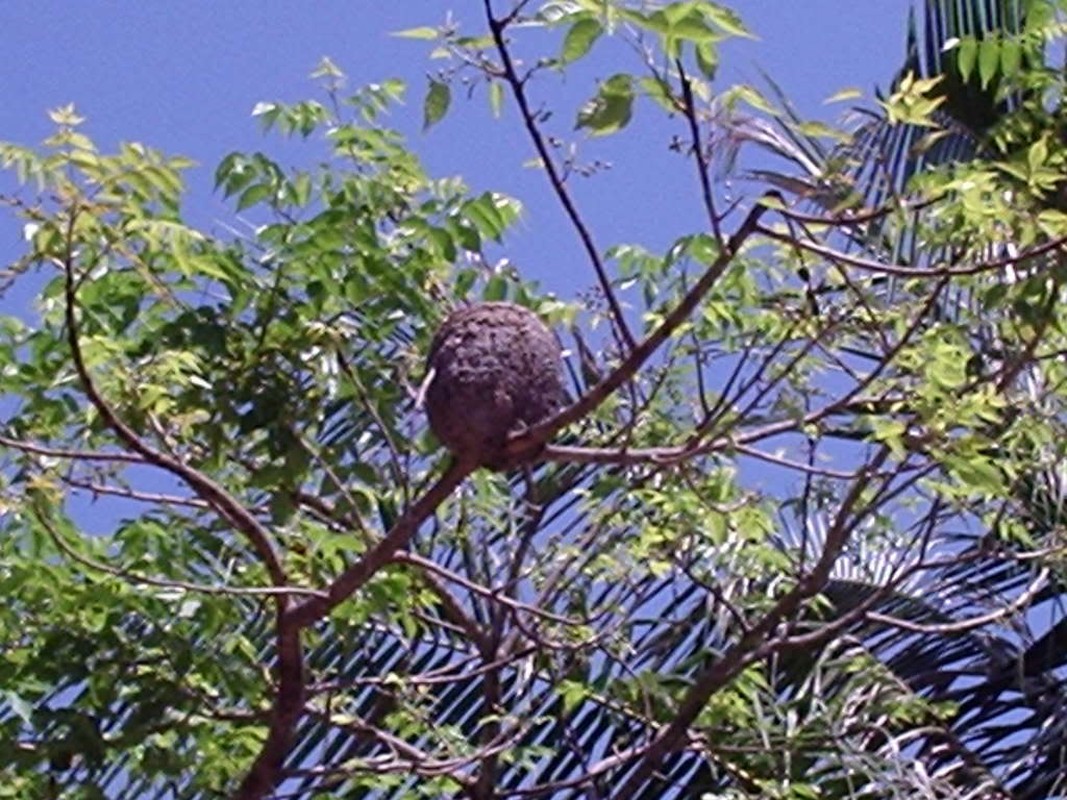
690	113
970	623
906	270
532	438
155	498
74	455
518	89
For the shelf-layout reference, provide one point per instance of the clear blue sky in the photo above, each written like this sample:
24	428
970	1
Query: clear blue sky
185	76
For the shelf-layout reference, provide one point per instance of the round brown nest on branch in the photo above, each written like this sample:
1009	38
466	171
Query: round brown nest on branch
493	368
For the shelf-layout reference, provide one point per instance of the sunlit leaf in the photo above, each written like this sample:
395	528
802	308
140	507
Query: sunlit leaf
580	39
843	95
611	108
967	57
424	33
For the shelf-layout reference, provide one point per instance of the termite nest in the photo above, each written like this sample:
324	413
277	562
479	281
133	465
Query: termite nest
493	369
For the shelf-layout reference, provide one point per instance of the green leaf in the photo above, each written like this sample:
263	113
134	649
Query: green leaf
496	98
660	93
474	42
425	33
976	472
573	693
1011	56
692	28
727	20
748	94
435	106
967	57
1037	155
850	93
611	109
496	289
707	55
580	39
988	59
254	195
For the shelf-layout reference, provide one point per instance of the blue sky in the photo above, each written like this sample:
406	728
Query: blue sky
184	78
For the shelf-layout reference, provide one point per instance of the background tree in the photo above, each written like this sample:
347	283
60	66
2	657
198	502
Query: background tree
997	109
796	536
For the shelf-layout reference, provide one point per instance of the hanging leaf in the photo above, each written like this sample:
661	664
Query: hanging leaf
435	106
967	57
1011	56
496	98
988	59
707	55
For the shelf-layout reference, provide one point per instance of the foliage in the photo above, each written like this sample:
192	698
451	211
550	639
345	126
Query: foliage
799	535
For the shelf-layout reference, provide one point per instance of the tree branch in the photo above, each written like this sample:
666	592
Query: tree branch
350	581
747	648
74	455
518	89
690	112
289	696
530	440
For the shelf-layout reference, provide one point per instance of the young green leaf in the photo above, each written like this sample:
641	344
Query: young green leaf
988	60
496	98
580	39
434	108
707	55
726	19
425	33
850	93
967	57
1011	57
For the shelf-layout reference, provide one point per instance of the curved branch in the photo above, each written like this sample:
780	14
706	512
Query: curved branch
288	703
209	491
907	271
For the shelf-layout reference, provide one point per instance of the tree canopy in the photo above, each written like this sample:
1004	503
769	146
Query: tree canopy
797	533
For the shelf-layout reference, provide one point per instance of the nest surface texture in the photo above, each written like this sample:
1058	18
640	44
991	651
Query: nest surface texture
495	369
